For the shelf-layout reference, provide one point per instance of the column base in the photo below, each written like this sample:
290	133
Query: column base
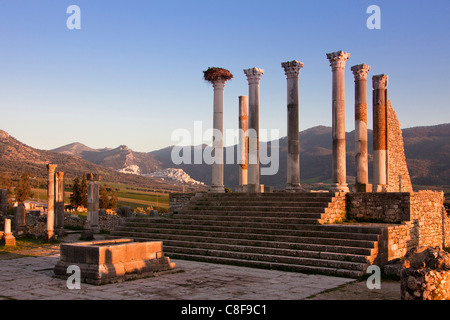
361	187
241	188
8	240
335	187
60	232
379	188
217	189
87	235
50	236
254	188
95	229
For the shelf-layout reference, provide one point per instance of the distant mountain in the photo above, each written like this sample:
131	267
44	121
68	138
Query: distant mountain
427	152
17	158
121	159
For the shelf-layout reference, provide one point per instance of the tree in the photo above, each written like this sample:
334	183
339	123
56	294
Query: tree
84	191
23	189
75	199
103	201
113	201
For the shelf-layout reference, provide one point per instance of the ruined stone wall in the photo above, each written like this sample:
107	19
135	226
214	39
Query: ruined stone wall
178	200
336	209
412	219
396	155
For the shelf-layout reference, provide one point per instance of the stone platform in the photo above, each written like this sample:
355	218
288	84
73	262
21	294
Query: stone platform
109	261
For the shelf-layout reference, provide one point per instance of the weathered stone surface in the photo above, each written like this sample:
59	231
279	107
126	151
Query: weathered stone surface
426	274
109	261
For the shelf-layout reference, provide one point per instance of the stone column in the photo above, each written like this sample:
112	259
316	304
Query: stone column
19	217
93	201
217	166
361	156
253	76
50	202
59	203
379	83
243	140
3	201
337	62
292	71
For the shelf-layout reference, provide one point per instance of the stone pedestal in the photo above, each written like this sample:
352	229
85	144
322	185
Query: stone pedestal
50	235
8	238
339	179
253	76
292	71
361	155
243	140
380	146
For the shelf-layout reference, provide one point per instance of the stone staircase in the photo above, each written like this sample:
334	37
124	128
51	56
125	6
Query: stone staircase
269	230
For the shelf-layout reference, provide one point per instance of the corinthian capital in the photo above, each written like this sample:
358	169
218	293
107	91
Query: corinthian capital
51	168
380	81
360	71
253	75
338	59
292	68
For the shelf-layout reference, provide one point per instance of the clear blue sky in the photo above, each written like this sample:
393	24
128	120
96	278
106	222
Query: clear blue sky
133	73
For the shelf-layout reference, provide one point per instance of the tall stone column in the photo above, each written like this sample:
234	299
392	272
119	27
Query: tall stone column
8	238
292	71
217	166
379	83
243	140
59	203
93	201
361	155
253	76
337	62
50	235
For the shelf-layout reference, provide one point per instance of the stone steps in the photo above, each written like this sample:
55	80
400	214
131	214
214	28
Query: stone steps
273	230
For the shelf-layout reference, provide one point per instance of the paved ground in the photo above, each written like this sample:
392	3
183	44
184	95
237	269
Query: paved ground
31	278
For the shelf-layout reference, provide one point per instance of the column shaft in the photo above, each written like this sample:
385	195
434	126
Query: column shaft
379	132
339	171
217	166
243	140
50	201
361	155
253	76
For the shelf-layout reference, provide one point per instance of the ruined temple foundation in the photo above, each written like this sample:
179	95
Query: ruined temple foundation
50	235
253	76
292	71
360	73
337	62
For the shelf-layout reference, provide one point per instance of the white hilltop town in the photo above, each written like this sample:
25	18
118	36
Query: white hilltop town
177	175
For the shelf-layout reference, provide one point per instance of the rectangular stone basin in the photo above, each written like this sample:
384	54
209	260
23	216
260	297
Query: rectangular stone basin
108	261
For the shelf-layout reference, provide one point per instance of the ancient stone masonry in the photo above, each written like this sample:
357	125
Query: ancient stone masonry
337	62
292	71
398	179
8	238
416	218
253	76
93	201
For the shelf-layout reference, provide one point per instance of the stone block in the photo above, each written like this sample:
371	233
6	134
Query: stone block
109	261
